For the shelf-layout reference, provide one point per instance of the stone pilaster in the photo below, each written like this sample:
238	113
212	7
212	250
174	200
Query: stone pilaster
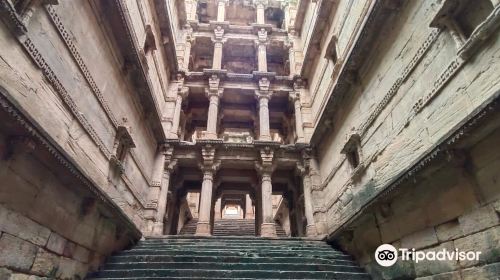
209	167
191	6
317	199
164	166
221	10
299	129
249	214
303	169
260	6
214	93
263	96
261	44
182	93
218	41
188	44
265	169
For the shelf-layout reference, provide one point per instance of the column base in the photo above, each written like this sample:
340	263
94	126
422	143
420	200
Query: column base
203	229
208	135
266	138
268	230
311	230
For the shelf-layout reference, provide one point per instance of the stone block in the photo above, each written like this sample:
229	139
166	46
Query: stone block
478	219
81	254
22	227
69	249
448	231
487	242
490	271
16	253
420	239
46	263
455	275
56	243
432	267
400	270
5	273
71	269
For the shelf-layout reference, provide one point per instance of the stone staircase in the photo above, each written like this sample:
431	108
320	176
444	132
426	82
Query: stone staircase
190	257
229	227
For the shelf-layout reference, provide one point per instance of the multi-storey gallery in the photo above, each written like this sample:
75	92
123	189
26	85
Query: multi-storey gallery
249	139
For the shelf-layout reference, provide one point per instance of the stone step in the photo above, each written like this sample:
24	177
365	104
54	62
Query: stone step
191	257
228	259
231	273
235	266
235	253
240	246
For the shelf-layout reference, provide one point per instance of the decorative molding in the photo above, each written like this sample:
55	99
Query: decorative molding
79	61
442	80
67	39
8	10
412	65
66	98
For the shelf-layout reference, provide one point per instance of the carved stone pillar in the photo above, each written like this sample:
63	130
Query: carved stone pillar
249	214
191	6
299	129
260	6
261	50
263	96
265	169
181	94
219	41
221	10
209	168
187	49
214	93
303	170
164	166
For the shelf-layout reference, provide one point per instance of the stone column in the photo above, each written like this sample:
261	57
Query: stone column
219	41
187	49
214	93
299	129
261	50
221	10
164	166
218	210
311	226
265	169
260	6
209	168
263	95
181	94
248	208
191	6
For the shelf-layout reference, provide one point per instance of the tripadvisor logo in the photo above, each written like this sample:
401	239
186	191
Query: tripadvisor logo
387	255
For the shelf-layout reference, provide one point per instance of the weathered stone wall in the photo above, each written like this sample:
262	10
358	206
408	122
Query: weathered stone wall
80	92
414	89
67	71
51	225
452	207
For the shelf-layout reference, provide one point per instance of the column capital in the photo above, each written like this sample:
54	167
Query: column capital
170	166
294	96
264	3
264	84
266	166
263	94
219	34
